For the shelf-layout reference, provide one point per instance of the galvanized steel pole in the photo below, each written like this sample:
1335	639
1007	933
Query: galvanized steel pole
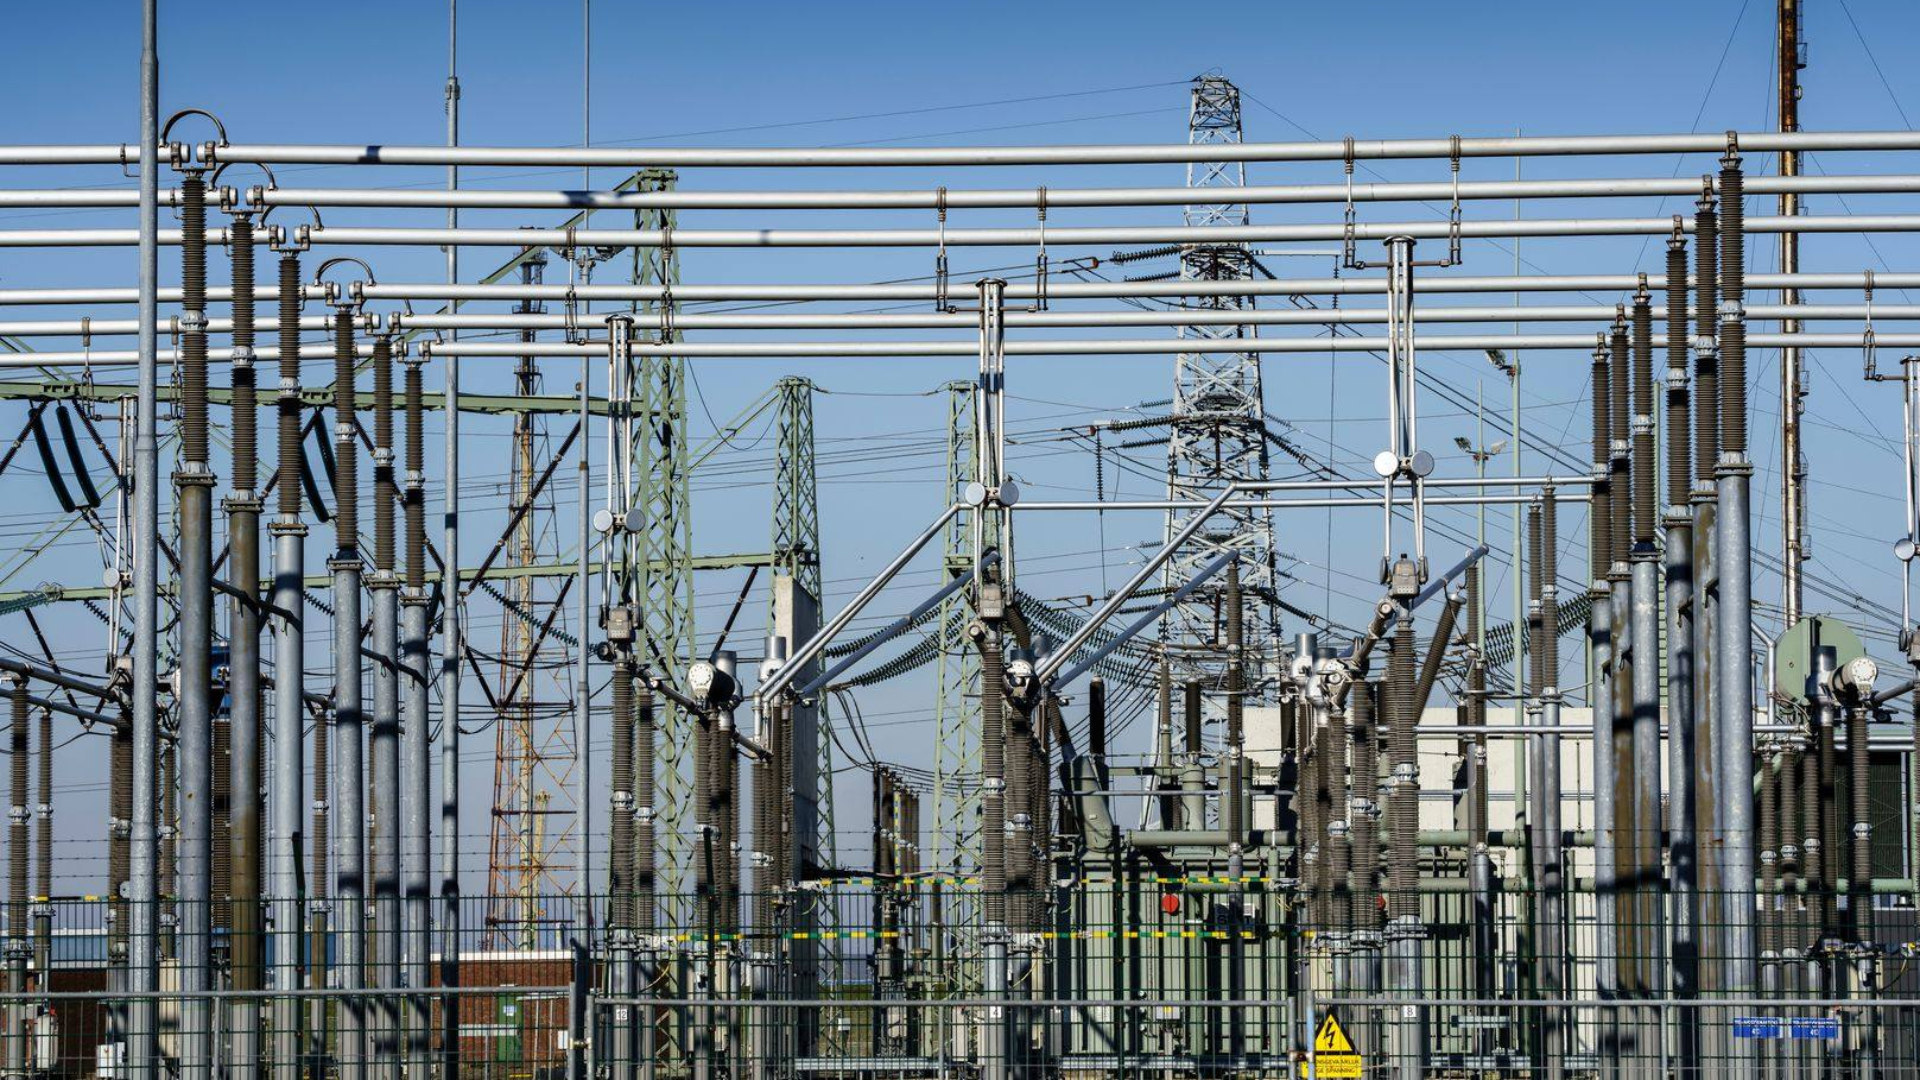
143	899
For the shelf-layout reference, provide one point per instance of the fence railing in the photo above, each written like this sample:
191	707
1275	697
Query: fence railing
1191	974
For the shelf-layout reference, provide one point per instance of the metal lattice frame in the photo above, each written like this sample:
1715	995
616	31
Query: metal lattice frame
1218	434
956	769
663	559
796	550
534	843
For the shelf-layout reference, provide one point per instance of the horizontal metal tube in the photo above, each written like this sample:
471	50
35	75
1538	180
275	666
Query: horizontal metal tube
1298	504
933	320
928	291
1143	346
761	350
1149	153
964	199
1056	237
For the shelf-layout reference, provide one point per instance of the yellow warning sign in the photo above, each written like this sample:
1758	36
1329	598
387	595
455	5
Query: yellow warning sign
1334	1057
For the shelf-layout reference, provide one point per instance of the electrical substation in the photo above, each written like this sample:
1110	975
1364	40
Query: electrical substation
1385	728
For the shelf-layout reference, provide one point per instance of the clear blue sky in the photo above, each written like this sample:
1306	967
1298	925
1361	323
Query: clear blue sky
859	73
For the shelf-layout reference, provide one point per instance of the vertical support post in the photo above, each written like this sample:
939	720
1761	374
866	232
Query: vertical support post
1793	472
1552	879
1645	598
1708	809
18	951
452	646
349	864
289	535
248	748
193	492
143	899
384	732
1681	855
1734	544
415	778
1601	643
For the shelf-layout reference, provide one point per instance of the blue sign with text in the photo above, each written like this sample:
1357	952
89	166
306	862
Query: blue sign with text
1758	1027
1814	1027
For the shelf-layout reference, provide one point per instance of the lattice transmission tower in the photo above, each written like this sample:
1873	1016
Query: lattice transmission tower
533	843
956	763
662	554
1218	431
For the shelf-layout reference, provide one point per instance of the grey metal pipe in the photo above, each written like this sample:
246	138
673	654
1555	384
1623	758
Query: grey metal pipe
1734	544
1705	637
247	949
1118	347
288	532
1055	318
1602	645
193	491
349	778
1068	236
143	895
1039	347
18	951
1644	638
453	645
809	157
909	291
1552	867
962	198
1678	522
384	730
415	779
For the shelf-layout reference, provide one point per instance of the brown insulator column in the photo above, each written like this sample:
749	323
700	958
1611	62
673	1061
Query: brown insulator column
643	812
1788	939
1019	825
1337	855
993	837
1677	520
1813	859
43	856
119	825
19	749
1626	837
620	800
1364	823
1644	601
1859	800
1600	640
246	746
1403	808
291	888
